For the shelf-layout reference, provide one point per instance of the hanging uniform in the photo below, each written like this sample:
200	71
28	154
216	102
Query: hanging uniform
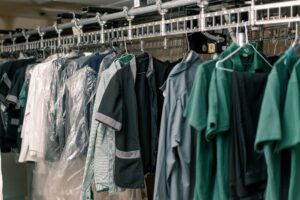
269	131
291	131
218	125
134	114
100	158
196	113
174	178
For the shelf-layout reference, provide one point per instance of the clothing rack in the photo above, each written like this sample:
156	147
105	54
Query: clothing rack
257	15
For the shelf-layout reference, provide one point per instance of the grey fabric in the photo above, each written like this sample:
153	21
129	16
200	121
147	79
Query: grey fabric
109	121
100	157
6	80
174	178
128	154
12	98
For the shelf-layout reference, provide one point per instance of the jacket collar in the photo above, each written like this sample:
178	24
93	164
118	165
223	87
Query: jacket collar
190	59
133	65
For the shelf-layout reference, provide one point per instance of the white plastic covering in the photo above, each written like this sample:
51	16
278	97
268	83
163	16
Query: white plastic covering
63	94
61	179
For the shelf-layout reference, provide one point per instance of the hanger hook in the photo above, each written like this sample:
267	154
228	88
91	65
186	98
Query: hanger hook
246	33
129	19
296	36
26	36
125	46
101	23
275	42
142	45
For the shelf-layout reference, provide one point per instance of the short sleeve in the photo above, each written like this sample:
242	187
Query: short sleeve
212	114
291	115
269	124
111	106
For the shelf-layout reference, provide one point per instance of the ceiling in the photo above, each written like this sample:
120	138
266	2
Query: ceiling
22	13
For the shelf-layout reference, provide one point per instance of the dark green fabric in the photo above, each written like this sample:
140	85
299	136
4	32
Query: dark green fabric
218	125
269	131
196	113
291	130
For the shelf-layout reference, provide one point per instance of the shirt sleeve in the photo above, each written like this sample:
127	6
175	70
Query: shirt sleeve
111	107
291	115
269	123
213	108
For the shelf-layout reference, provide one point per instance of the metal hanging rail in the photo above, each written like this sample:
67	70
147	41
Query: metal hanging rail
253	15
113	16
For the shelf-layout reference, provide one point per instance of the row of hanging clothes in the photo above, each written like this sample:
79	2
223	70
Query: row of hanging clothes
95	125
50	116
229	127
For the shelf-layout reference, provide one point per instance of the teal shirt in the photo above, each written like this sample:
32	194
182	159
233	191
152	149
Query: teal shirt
269	132
219	111
291	130
196	113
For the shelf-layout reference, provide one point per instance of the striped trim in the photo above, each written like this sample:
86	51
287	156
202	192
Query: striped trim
6	80
128	154
108	121
12	98
14	122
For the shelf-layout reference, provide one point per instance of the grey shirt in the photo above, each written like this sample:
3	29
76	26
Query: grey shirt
101	151
174	178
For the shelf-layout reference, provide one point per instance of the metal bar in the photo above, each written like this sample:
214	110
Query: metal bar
118	15
176	24
276	5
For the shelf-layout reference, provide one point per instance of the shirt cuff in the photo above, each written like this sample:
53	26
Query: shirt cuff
108	121
12	99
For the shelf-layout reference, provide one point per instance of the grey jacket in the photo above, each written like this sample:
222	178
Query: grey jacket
176	151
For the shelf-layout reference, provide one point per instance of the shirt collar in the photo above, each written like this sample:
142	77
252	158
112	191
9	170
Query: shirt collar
133	65
190	59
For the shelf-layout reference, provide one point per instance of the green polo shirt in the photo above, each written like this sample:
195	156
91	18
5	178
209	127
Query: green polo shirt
269	132
196	113
291	130
219	110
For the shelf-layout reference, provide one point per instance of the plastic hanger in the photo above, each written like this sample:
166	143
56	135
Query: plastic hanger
294	44
275	43
187	56
218	64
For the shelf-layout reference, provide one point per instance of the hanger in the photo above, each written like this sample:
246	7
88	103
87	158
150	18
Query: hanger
186	55
275	43
125	46
296	37
218	64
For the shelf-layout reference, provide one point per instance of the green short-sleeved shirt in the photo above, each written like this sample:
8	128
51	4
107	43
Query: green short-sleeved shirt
269	131
196	113
291	130
220	108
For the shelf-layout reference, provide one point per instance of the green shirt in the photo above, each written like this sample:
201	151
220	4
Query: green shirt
196	113
220	108
291	130
269	131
